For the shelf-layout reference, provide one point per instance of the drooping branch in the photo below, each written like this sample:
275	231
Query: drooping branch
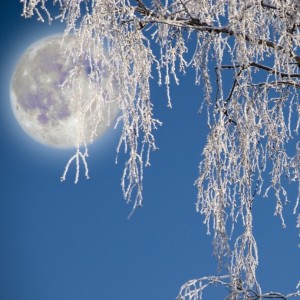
259	42
196	288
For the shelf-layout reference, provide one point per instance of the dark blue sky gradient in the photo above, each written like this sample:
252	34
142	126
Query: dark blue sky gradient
63	241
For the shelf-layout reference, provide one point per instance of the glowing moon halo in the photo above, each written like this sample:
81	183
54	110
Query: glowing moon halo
43	109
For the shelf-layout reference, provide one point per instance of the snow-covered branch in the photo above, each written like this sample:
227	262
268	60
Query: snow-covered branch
245	55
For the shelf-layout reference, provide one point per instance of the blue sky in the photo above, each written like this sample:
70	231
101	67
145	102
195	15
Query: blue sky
64	241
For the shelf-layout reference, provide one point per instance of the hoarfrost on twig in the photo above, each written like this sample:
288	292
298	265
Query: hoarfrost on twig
251	122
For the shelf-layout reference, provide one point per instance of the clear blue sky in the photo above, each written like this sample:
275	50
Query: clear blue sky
63	241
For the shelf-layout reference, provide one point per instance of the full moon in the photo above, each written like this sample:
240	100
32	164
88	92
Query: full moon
49	111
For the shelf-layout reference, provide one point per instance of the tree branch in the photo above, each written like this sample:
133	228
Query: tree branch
270	70
199	25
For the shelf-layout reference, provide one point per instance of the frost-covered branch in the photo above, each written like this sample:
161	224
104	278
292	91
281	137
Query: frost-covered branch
245	55
195	290
77	157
